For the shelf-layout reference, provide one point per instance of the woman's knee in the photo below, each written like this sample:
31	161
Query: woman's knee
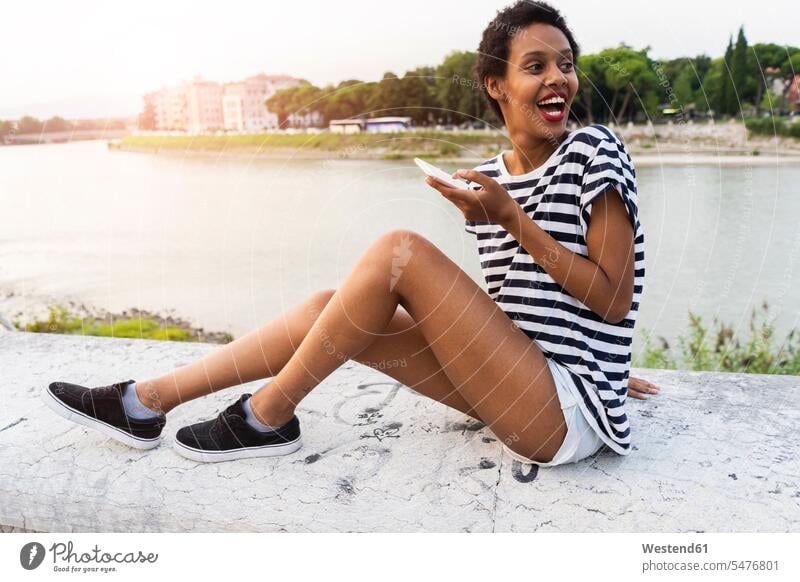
398	242
398	251
317	302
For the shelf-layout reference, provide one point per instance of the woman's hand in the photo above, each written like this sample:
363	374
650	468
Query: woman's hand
638	388
491	203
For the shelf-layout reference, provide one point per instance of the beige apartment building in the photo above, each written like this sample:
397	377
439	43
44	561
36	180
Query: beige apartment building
243	103
206	106
170	108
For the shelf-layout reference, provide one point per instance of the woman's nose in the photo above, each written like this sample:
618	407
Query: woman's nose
555	76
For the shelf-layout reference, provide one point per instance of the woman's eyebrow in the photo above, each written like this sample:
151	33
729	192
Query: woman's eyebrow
562	53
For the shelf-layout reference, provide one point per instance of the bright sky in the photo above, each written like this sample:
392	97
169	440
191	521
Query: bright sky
81	57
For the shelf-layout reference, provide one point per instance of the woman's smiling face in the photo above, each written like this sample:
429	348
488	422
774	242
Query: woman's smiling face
540	82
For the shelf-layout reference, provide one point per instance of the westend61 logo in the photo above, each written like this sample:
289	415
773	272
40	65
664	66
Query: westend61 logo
65	559
31	555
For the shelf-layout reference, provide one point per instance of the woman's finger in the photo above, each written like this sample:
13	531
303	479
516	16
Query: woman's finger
435	184
641	385
476	176
452	194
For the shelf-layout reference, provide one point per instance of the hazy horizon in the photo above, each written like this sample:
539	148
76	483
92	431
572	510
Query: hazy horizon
95	59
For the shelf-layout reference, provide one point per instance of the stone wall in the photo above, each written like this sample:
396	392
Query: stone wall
713	452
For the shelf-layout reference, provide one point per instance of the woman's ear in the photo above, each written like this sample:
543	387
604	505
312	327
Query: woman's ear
496	89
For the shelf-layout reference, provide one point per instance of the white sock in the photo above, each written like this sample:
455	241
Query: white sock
253	421
134	407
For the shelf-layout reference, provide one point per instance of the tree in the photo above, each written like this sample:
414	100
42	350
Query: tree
55	124
772	102
6	128
419	92
682	88
742	73
349	99
307	99
701	65
685	78
728	100
387	98
147	118
627	73
29	124
590	73
791	66
299	100
456	92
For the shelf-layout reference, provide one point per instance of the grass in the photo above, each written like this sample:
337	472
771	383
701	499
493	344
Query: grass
62	320
772	126
715	348
430	143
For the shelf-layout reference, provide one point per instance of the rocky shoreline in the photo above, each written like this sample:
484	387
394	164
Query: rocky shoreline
23	308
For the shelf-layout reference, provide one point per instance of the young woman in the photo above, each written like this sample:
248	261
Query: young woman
543	359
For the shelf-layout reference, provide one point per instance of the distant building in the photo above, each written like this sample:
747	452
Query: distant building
310	119
170	108
388	124
233	107
244	103
206	106
346	125
793	93
374	125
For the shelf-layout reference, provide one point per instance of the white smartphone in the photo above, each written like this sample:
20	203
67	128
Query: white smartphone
440	175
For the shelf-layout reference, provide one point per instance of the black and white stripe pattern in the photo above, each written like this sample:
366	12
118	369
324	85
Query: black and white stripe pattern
558	196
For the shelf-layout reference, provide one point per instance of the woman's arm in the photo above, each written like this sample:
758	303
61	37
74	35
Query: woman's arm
603	281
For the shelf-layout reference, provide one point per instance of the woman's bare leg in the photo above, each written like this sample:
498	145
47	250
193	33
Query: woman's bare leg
400	352
492	364
259	354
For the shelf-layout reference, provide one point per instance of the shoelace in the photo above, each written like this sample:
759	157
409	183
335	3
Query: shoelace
221	423
216	427
106	390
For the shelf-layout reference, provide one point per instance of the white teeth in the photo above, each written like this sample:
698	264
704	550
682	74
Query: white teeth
552	101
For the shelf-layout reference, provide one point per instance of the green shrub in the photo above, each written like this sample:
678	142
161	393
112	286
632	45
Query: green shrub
61	320
772	126
716	348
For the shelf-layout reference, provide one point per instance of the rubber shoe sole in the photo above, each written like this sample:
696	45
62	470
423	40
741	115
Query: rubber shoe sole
204	456
104	428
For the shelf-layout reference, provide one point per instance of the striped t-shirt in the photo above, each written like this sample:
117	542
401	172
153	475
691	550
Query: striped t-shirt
558	196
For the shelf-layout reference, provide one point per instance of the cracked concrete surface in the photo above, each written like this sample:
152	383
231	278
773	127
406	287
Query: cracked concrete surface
713	452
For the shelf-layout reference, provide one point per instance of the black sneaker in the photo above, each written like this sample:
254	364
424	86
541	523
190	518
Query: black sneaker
228	437
102	409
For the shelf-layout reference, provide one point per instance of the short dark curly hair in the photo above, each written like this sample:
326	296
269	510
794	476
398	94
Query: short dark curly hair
494	46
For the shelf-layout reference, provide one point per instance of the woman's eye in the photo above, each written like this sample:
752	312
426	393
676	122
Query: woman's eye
536	67
567	66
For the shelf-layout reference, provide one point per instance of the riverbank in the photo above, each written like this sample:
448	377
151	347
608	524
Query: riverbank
674	145
45	314
324	145
642	159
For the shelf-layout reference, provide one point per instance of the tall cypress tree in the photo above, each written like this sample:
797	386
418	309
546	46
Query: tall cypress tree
739	73
726	92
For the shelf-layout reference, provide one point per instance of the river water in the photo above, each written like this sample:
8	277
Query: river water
229	243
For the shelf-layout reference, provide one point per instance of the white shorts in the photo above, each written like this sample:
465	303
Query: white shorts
581	440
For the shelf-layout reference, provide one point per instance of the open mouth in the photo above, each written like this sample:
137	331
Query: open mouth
553	107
